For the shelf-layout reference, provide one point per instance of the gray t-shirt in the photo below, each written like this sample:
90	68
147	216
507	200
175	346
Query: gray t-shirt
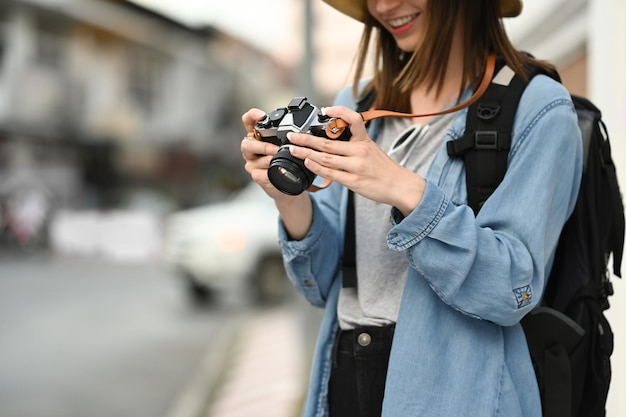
382	272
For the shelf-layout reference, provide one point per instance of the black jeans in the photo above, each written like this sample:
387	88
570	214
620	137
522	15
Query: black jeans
357	379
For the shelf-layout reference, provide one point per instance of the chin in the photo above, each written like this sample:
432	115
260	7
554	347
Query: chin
409	48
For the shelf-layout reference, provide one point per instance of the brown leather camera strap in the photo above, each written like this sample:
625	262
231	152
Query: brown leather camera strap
336	126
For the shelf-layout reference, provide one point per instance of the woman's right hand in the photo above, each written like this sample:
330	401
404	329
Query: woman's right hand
296	211
258	154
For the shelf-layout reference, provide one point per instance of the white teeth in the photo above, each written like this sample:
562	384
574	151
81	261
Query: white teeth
401	21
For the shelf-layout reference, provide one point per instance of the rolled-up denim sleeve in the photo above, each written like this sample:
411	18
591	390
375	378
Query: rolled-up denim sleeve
312	263
494	266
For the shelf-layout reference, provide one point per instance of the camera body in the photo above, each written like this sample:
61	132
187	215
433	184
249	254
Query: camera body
286	172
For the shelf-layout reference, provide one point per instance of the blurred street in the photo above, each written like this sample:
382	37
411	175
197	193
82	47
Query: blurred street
86	337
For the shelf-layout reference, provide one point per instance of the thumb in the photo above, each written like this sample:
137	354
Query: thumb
352	118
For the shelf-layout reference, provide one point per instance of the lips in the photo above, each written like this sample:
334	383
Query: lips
402	25
401	21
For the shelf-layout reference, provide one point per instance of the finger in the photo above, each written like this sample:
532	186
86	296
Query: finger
258	167
321	158
251	117
329	173
308	142
251	148
354	119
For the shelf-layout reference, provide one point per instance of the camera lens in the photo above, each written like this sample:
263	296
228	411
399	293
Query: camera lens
288	174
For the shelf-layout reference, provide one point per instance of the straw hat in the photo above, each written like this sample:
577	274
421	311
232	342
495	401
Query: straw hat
357	9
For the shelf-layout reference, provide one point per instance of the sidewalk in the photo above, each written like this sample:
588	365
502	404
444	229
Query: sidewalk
265	369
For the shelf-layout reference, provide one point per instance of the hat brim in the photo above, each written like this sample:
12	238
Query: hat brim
357	9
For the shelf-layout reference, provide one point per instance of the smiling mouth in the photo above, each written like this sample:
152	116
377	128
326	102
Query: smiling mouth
402	21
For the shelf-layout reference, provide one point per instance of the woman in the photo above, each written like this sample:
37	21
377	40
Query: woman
432	328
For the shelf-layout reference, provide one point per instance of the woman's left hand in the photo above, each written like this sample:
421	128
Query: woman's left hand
359	164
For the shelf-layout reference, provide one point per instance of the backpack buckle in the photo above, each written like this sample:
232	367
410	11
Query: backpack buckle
487	139
487	111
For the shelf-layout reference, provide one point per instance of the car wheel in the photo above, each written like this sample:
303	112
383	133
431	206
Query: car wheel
269	283
198	294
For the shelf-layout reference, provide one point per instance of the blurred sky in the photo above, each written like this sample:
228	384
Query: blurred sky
256	21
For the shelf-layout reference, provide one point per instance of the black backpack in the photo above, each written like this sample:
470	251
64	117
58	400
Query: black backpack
569	338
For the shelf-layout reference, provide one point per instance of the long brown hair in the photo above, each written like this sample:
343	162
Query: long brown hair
397	73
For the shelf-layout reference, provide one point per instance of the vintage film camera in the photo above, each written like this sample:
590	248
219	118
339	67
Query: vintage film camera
286	172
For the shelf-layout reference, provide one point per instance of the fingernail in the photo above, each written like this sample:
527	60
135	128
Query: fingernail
289	135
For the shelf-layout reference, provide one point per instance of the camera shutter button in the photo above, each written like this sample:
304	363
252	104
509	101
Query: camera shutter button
275	117
322	117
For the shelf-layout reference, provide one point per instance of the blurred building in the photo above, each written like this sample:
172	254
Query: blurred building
557	31
105	104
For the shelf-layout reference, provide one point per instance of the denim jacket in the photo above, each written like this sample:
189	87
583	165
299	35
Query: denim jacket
458	348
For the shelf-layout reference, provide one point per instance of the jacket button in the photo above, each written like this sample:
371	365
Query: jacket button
364	339
308	283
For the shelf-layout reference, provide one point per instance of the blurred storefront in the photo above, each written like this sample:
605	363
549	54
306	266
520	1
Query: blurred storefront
107	105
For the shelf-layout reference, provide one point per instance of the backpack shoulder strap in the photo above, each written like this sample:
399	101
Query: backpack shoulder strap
486	142
348	260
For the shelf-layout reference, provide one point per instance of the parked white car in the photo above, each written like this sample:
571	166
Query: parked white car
231	245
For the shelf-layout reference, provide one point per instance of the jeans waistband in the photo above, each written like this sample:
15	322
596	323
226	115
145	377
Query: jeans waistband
365	339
